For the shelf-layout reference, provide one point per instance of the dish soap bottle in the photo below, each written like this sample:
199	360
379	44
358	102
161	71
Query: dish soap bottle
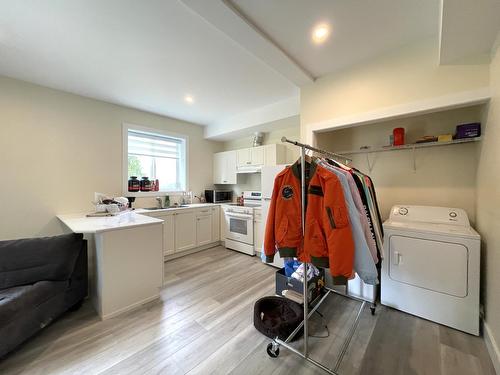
167	201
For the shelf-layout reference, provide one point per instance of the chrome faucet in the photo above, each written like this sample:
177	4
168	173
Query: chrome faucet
160	202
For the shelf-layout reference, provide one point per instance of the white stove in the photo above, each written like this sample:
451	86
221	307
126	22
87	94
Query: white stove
239	222
252	198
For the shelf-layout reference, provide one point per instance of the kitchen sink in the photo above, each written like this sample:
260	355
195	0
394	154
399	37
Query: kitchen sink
165	208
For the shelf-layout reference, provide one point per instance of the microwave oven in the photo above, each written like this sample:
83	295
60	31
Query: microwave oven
219	196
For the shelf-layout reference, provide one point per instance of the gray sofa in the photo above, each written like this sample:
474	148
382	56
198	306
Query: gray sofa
40	278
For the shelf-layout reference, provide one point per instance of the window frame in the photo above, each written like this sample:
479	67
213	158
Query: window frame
128	126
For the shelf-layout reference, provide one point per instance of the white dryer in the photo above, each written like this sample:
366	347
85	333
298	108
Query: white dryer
431	265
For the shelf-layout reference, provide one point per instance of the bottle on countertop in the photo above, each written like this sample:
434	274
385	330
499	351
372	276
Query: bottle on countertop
145	184
134	184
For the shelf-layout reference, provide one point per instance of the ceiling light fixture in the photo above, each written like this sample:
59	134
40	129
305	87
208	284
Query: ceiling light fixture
320	33
189	99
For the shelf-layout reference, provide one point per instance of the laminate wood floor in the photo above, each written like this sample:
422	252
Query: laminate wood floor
203	325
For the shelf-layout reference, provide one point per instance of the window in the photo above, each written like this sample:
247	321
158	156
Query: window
154	154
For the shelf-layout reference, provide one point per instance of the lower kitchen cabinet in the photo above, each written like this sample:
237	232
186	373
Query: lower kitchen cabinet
168	234
216	234
258	231
203	229
185	229
188	229
223	223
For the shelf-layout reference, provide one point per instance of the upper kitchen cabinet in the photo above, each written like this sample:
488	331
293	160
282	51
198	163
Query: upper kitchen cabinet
246	160
274	154
225	167
250	157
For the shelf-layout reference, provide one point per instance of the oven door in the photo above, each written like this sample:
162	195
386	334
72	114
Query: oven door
239	227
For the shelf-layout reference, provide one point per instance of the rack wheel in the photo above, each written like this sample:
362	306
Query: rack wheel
273	353
372	309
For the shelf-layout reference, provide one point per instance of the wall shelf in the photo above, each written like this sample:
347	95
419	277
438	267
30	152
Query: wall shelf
411	146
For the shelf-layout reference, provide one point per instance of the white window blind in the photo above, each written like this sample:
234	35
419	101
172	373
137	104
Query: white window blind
157	156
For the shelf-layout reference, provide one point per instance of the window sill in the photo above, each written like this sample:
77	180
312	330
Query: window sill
148	194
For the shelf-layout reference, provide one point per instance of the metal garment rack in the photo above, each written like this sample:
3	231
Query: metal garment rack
273	347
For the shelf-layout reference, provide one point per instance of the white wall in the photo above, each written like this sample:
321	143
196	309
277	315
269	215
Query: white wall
403	76
445	176
57	149
488	208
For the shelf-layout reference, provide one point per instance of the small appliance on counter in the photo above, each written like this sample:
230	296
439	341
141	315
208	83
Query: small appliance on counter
219	196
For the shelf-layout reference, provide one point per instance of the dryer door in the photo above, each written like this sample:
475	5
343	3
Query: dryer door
429	264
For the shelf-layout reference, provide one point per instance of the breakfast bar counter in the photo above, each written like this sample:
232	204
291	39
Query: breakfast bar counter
125	259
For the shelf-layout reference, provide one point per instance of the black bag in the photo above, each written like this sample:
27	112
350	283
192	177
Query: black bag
277	317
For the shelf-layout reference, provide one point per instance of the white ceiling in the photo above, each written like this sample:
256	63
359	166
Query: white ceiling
243	61
146	56
468	30
361	29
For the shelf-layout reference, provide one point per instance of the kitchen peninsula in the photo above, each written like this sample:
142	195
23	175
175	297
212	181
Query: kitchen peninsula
125	259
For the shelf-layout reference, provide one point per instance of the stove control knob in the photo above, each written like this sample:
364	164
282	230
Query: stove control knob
403	211
453	214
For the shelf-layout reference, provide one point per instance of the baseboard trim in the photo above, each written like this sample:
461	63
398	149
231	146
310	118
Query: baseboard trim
492	347
166	258
130	307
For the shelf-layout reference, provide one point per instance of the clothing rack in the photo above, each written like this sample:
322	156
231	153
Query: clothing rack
273	347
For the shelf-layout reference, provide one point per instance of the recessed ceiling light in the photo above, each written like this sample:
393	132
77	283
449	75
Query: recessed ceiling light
189	99
320	33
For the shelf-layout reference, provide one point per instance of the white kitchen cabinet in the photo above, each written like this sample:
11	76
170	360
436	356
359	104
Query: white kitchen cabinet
249	157
168	234
224	167
244	157
223	224
257	154
168	230
189	228
258	230
185	230
204	228
274	154
215	223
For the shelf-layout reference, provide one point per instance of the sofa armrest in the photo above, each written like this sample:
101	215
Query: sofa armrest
79	277
29	260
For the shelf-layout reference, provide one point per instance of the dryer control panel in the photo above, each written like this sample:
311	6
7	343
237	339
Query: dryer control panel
429	214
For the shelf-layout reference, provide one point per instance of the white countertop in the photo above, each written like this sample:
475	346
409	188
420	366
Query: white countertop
79	223
187	207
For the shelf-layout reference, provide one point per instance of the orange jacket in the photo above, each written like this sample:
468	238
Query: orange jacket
328	238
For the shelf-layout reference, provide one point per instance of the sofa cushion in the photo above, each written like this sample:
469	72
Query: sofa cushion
15	300
27	261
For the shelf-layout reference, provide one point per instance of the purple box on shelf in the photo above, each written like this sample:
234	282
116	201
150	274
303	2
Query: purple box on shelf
468	130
